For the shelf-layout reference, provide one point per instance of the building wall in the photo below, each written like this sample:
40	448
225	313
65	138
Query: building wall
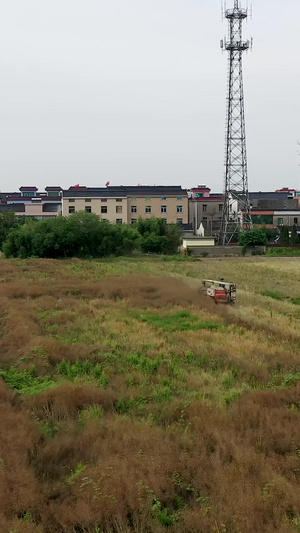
172	215
192	243
34	210
286	219
173	207
116	210
208	213
274	203
225	251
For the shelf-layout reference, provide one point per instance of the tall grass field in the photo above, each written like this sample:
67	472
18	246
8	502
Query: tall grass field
131	402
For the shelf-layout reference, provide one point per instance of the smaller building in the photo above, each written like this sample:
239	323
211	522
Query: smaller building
276	219
190	243
281	199
29	202
205	208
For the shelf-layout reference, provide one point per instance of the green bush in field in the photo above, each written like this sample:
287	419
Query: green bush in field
8	222
284	235
254	237
80	235
270	233
159	237
86	235
294	236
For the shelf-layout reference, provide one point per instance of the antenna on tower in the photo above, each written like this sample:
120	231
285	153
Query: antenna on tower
237	210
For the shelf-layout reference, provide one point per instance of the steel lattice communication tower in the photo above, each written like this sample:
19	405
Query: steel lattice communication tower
236	176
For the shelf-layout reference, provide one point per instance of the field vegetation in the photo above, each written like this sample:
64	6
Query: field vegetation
130	402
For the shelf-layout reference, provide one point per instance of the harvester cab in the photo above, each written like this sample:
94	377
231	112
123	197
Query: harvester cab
220	291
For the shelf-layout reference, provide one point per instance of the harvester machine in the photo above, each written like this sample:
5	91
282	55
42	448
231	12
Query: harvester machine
220	291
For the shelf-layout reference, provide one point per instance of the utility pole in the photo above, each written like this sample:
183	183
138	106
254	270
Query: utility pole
236	199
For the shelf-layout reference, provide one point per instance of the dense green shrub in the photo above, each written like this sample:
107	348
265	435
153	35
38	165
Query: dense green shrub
8	222
284	235
294	236
85	235
254	237
159	237
80	235
270	233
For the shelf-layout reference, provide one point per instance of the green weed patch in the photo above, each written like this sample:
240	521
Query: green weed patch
145	364
182	321
279	296
283	252
274	294
26	381
82	368
291	379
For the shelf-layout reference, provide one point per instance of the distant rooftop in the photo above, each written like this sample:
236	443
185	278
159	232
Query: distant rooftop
124	191
278	195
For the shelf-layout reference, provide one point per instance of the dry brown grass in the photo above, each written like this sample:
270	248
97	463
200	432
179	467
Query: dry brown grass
187	430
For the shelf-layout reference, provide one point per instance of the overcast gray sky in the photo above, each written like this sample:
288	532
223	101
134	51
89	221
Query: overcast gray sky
133	91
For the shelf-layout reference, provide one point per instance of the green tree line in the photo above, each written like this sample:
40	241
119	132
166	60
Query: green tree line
86	235
256	237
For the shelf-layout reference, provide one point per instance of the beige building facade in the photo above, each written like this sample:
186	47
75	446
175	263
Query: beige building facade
111	209
125	205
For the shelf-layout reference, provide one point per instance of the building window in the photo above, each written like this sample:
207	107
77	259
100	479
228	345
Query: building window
119	200
199	195
179	220
204	208
119	221
179	198
262	219
71	200
148	199
165	220
164	199
220	207
133	209
71	209
296	221
103	208
280	221
133	199
88	209
148	209
118	209
133	220
87	200
103	199
163	208
179	209
204	220
28	194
